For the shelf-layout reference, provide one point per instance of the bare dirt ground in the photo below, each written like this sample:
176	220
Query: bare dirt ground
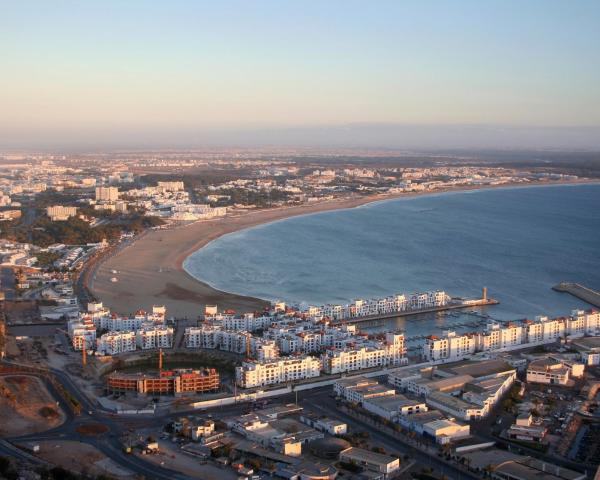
189	465
21	312
26	406
81	458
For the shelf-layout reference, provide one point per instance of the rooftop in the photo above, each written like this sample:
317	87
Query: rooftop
477	368
368	456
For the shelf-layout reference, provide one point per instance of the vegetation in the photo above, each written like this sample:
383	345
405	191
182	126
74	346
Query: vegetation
75	231
46	259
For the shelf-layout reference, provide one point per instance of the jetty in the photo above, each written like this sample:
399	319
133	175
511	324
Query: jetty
453	305
579	291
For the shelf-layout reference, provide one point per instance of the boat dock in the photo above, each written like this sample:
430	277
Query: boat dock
581	292
459	304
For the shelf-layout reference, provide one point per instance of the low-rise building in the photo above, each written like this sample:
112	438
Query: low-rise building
445	431
391	407
358	389
554	371
589	350
324	424
524	429
374	462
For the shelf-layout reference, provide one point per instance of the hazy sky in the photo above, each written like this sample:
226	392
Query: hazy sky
132	71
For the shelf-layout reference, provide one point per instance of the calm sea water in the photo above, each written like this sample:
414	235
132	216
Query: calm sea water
518	242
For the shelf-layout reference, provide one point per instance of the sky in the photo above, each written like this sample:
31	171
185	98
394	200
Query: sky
392	73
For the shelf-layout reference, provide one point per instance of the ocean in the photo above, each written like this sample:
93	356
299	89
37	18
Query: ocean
518	242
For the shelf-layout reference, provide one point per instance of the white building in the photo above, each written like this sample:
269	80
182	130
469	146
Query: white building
358	389
445	431
259	374
82	333
498	337
60	213
451	347
171	186
154	337
114	343
391	407
554	371
358	357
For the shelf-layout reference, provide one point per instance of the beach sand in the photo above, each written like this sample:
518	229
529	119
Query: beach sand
150	271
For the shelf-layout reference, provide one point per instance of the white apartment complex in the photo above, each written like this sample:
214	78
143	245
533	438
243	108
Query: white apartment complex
452	347
391	304
260	374
154	337
355	357
60	213
115	343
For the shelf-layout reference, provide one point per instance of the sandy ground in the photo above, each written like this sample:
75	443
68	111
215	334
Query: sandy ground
22	399
150	270
81	458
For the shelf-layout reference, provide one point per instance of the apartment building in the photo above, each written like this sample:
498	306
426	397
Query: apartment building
395	303
60	213
451	347
171	186
82	333
262	373
369	355
115	343
247	323
154	337
107	194
497	337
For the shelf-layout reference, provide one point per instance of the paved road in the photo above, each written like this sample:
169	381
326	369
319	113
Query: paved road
111	445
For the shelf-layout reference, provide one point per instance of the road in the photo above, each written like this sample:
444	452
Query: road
111	444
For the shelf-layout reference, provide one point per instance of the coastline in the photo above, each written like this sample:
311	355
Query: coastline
150	270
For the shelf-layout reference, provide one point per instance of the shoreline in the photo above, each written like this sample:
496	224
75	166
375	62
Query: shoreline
151	272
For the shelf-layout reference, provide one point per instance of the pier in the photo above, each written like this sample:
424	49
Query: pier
459	304
581	292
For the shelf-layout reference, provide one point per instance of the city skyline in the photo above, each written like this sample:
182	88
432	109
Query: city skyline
391	74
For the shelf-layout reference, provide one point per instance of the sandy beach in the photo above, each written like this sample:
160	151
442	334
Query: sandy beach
150	271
